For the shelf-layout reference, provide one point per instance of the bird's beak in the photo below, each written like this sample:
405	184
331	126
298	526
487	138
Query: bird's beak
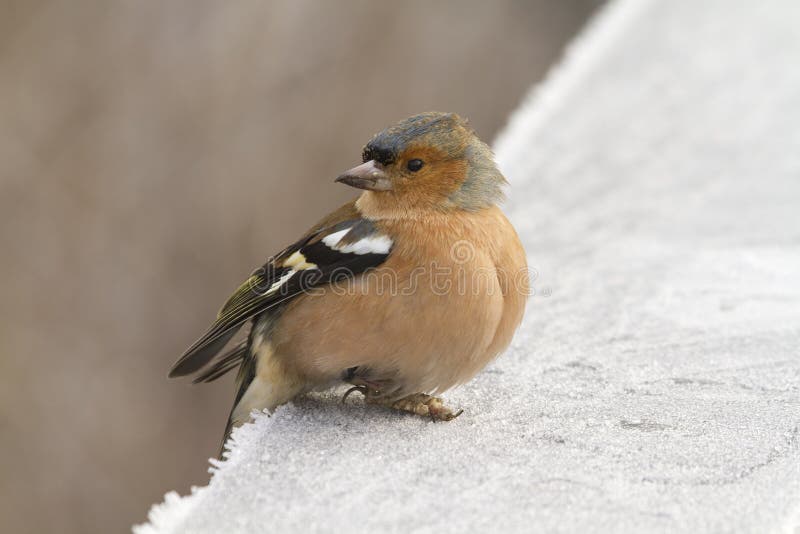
369	175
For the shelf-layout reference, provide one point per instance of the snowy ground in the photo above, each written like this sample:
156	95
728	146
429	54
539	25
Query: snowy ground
655	383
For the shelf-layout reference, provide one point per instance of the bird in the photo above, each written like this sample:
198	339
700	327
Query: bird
409	289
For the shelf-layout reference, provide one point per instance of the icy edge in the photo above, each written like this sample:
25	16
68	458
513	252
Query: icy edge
169	515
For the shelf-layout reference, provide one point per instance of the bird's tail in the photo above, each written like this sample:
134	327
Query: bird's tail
245	377
236	357
227	362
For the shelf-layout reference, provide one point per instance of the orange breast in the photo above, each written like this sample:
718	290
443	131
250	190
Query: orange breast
431	317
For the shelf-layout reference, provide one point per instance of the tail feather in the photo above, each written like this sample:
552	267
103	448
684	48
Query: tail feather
225	363
245	376
202	352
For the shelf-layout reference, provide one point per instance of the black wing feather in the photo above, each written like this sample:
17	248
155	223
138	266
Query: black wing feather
254	297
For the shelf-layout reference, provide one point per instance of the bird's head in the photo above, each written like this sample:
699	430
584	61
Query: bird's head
431	161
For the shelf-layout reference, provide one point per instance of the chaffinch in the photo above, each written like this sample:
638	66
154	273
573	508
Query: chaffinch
406	291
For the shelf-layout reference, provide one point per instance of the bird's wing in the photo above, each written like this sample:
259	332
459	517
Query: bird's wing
336	251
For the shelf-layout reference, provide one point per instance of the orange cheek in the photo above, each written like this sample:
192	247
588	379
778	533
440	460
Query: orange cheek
431	185
435	181
447	178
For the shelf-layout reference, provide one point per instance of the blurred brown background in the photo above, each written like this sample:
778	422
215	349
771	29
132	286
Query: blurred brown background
151	155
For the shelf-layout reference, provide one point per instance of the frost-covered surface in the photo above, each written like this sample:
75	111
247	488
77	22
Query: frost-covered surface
656	186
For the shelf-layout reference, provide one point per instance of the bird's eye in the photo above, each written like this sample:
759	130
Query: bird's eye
415	164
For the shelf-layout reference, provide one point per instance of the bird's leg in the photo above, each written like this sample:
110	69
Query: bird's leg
368	388
420	404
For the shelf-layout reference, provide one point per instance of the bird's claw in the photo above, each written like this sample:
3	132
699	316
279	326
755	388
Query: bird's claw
361	389
447	417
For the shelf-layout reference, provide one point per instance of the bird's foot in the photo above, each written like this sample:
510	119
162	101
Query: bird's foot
418	403
422	404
